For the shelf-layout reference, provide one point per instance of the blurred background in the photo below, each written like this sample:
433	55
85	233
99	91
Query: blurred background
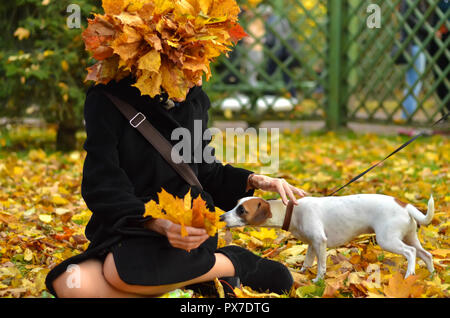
331	62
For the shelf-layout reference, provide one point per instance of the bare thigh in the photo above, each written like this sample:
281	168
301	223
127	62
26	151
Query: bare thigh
222	268
88	282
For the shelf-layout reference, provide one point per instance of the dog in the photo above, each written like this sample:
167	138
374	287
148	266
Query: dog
326	222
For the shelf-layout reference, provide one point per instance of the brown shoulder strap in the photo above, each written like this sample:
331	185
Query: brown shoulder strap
138	121
288	216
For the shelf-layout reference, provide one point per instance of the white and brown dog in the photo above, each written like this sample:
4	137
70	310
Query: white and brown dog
333	221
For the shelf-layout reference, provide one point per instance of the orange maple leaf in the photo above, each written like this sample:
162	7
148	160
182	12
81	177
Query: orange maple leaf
398	287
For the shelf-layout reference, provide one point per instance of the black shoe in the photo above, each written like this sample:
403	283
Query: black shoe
258	273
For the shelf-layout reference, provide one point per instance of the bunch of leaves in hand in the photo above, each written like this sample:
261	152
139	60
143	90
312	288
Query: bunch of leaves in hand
166	45
186	212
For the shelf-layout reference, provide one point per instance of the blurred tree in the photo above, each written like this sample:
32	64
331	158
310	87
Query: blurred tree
42	63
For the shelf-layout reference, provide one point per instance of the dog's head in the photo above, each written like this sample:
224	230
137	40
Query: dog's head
248	211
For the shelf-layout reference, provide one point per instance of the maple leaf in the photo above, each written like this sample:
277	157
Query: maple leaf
264	234
198	210
237	33
114	6
150	61
22	33
174	81
149	83
399	287
98	33
181	211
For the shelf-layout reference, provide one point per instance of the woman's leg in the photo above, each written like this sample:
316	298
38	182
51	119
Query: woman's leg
222	268
101	280
91	283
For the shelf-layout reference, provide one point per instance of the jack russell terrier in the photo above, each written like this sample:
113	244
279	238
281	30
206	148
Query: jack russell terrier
333	221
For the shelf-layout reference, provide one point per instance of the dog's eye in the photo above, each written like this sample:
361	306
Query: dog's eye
241	210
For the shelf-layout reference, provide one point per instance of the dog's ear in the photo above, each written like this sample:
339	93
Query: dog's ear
265	206
263	213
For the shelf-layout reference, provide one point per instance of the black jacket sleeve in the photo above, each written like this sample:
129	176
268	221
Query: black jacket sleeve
225	183
105	187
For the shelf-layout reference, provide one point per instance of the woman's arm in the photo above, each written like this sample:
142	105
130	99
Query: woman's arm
286	191
106	188
227	184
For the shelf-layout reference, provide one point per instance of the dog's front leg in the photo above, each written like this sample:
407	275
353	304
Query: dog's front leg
309	259
320	248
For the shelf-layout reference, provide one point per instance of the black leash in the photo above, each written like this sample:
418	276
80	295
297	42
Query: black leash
390	155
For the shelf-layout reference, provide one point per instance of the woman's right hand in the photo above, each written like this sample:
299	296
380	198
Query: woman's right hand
172	231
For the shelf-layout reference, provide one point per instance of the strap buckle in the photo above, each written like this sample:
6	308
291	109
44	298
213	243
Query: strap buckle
140	122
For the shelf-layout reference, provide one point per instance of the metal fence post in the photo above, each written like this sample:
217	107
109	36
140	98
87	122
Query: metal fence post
335	116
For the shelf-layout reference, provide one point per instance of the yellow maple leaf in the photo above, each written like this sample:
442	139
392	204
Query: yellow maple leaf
181	211
150	62
22	33
442	253
46	218
264	234
136	5
149	83
28	255
174	82
114	6
59	200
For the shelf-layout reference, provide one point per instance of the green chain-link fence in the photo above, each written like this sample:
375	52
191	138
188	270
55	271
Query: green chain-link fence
339	61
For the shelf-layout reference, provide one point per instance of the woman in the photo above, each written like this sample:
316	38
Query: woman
132	256
415	71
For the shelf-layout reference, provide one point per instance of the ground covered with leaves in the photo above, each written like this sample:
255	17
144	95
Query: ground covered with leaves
43	216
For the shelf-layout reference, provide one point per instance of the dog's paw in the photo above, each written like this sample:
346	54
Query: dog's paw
434	272
408	273
317	279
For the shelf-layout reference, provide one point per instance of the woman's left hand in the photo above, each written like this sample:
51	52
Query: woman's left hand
286	191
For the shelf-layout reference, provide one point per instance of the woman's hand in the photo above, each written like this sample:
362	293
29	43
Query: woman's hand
172	231
281	186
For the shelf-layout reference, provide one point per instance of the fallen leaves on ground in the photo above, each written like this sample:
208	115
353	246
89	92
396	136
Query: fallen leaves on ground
43	217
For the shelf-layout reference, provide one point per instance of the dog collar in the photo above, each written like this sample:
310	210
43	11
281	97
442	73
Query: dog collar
288	215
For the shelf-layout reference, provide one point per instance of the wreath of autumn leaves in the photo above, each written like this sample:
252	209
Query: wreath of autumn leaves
167	45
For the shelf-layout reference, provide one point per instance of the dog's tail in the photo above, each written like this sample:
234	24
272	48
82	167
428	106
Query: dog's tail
418	216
